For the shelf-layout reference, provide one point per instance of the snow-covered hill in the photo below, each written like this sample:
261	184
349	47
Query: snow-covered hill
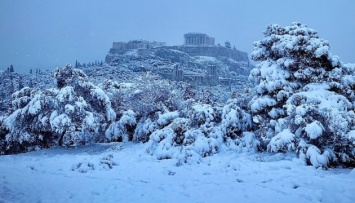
126	173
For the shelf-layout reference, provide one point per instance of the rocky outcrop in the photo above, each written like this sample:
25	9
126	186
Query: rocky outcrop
190	63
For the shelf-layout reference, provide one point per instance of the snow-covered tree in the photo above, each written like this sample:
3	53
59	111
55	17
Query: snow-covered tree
74	113
301	101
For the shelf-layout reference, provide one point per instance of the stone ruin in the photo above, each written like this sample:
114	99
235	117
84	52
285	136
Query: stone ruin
122	47
198	39
208	78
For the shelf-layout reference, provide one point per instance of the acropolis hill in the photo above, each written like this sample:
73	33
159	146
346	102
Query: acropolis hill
198	57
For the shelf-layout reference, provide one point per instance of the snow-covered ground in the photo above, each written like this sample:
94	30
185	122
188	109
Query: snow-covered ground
125	173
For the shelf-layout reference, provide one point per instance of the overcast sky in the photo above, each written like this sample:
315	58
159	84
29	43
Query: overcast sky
47	34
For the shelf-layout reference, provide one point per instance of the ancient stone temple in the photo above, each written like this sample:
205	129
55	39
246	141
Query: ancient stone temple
198	39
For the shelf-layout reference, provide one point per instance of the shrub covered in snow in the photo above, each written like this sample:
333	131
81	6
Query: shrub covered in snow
304	96
148	98
151	95
76	112
123	129
203	131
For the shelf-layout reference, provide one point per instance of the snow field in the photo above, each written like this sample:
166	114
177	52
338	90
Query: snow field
126	173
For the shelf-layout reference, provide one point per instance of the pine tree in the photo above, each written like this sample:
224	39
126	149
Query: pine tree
298	81
20	83
227	44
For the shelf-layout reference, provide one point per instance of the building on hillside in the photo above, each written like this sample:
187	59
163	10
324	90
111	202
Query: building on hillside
212	75
178	74
198	39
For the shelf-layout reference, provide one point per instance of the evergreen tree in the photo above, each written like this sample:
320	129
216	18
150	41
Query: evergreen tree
20	83
30	83
227	44
300	103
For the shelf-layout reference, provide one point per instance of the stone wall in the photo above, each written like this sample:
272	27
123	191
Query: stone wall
122	47
214	51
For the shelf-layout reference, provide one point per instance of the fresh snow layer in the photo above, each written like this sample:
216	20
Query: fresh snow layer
314	130
126	173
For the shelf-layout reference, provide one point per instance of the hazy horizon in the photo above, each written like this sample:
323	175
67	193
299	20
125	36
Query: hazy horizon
47	34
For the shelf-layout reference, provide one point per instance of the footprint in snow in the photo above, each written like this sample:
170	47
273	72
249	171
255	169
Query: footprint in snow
171	173
266	181
239	180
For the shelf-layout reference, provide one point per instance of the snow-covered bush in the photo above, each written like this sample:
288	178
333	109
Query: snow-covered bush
150	95
68	76
123	129
74	113
203	114
203	131
149	98
3	132
304	99
322	119
234	120
28	124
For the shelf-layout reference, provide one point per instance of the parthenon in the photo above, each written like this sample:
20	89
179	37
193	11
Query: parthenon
198	39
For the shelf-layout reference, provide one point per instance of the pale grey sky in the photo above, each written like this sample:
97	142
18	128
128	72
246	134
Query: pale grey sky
47	34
